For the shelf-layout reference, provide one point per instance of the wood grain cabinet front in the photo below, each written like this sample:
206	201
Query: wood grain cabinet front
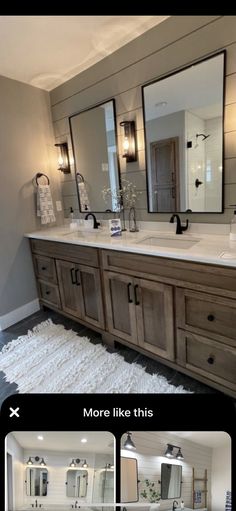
80	290
141	312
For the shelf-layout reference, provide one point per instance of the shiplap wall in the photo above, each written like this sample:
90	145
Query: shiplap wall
175	43
151	447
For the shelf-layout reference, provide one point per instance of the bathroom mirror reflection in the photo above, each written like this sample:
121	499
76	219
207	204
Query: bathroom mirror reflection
183	119
36	481
171	477
77	481
103	478
94	142
129	479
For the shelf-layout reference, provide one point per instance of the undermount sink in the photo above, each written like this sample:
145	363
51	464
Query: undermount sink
173	242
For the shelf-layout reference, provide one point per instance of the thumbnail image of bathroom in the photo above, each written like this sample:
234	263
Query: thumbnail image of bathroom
59	470
175	470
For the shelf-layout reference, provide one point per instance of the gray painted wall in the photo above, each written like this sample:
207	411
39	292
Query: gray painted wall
26	147
173	44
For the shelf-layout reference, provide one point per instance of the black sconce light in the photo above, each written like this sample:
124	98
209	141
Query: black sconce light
63	160
36	460
129	145
169	452
129	444
76	461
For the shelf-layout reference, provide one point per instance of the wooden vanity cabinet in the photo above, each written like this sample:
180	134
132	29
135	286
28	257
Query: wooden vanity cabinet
141	312
76	288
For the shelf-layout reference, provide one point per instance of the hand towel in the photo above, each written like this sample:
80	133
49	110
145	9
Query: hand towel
228	501
83	197
197	497
44	204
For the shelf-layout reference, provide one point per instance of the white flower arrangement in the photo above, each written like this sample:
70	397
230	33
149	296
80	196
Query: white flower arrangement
124	197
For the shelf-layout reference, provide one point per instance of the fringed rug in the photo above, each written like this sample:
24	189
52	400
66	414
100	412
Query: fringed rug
51	359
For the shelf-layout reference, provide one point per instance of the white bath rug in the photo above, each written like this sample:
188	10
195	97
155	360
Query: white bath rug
51	359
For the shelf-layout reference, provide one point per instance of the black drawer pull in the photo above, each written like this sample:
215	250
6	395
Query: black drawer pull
76	277
48	292
211	360
43	268
73	280
210	317
128	289
135	294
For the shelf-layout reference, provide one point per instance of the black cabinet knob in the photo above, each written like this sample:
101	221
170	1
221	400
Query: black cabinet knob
48	292
43	268
210	360
210	317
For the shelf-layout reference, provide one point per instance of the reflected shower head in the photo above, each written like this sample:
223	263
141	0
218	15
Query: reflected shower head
202	135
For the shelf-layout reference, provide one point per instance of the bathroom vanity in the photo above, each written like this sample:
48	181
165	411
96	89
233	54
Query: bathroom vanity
177	306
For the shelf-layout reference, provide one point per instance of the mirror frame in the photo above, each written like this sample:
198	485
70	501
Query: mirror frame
117	151
76	470
163	77
173	465
136	463
28	468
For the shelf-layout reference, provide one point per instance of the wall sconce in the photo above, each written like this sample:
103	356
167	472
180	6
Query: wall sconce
129	145
169	452
76	461
63	160
36	460
129	444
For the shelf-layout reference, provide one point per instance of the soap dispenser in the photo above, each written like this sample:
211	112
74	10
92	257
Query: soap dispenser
182	505
232	234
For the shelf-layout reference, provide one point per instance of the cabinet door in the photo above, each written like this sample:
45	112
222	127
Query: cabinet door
121	317
154	311
70	289
92	306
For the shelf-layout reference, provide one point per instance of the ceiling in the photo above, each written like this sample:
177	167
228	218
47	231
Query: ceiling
99	442
207	438
46	51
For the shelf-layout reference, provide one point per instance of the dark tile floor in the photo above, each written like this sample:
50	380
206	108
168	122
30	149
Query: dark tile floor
129	355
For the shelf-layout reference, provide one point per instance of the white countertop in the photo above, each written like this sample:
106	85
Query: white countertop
210	248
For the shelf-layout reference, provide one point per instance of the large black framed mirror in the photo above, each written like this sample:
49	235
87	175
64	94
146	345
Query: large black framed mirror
171	480
94	143
183	123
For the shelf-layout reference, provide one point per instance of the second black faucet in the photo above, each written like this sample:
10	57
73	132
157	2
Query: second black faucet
179	228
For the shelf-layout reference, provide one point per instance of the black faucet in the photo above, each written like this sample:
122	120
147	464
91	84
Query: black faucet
36	503
174	505
179	228
95	223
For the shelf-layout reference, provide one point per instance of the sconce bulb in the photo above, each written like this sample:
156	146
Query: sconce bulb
42	463
129	444
126	144
29	462
60	161
85	464
73	464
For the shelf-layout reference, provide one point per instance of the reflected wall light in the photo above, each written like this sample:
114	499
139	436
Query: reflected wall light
129	144
63	160
129	444
169	452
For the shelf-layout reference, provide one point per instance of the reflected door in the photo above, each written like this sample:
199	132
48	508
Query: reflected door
164	174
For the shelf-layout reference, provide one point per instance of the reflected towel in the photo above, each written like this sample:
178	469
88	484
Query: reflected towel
83	196
197	497
44	204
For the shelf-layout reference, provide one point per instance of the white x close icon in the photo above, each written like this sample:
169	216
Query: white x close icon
14	411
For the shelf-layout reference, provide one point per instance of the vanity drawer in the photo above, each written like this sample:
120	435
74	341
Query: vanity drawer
45	268
66	251
213	314
49	293
207	358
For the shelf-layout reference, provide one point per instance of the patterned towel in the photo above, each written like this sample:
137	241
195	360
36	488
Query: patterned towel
197	497
228	501
44	204
83	197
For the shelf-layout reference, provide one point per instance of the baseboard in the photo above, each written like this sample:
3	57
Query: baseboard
18	314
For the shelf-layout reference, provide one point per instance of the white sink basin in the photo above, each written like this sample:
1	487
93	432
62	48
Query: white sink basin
178	241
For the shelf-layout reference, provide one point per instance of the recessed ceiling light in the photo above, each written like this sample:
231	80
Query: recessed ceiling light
84	440
40	437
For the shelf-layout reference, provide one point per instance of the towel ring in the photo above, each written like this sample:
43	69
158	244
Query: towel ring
80	176
38	175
